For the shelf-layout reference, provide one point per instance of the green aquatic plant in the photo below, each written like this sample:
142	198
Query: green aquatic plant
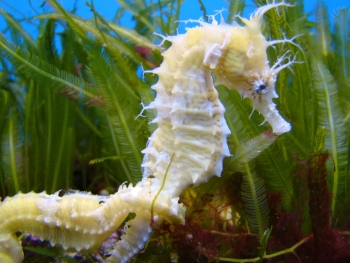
63	107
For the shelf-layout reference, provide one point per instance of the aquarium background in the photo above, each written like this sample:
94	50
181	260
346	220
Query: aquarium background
280	198
25	9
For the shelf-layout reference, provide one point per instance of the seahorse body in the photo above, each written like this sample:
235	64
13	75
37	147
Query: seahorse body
191	132
190	117
190	120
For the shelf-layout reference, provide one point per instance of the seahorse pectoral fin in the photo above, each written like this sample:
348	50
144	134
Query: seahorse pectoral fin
212	55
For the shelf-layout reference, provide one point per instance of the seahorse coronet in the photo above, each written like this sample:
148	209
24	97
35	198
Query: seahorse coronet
187	148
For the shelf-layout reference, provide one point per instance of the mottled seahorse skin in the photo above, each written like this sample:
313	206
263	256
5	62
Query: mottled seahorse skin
188	147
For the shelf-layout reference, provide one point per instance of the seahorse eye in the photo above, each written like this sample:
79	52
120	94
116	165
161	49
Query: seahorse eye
261	87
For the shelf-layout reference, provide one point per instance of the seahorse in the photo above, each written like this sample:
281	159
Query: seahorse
190	116
187	148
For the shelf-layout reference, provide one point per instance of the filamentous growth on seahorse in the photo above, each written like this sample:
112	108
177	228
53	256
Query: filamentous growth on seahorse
187	148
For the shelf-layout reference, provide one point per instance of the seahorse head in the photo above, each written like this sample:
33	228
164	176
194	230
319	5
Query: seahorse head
244	66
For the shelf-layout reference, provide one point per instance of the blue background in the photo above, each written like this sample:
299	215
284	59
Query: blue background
22	9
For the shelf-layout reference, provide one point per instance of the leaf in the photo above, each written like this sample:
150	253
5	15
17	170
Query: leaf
254	200
135	10
204	10
130	35
99	160
276	21
320	140
75	26
252	188
248	151
121	111
12	153
342	29
87	26
330	117
263	241
5	104
35	68
235	7
18	31
46	44
237	115
55	253
276	167
340	66
323	36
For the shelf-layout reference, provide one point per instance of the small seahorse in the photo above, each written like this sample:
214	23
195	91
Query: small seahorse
188	147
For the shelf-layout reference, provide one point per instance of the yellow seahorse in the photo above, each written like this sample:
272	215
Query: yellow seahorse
191	127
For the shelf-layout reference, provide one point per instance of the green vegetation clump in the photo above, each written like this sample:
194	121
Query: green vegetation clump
68	106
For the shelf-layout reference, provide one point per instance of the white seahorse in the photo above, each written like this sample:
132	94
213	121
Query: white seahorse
191	132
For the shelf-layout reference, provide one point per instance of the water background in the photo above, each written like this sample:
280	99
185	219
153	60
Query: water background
25	10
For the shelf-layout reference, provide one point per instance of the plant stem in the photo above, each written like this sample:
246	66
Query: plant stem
282	252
